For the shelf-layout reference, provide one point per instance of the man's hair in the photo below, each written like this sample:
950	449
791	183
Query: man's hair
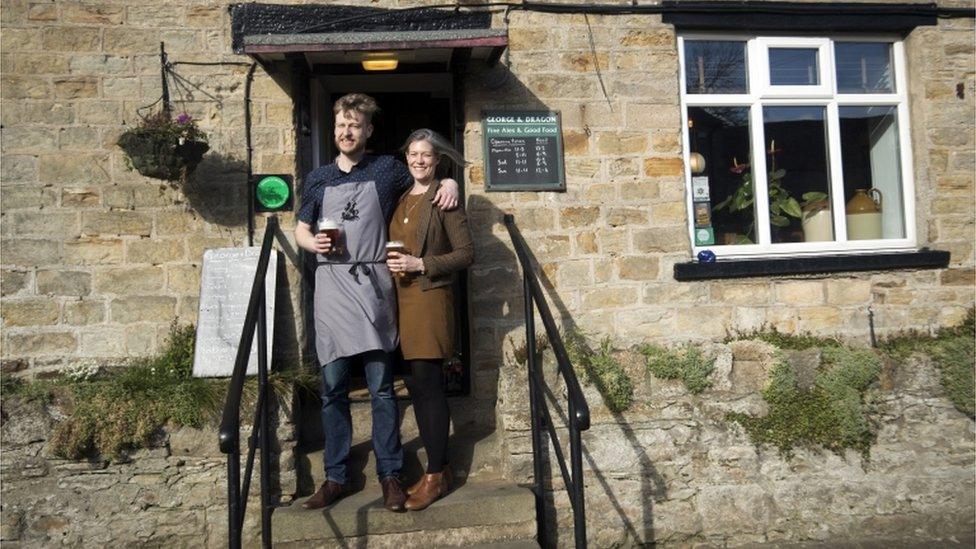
359	102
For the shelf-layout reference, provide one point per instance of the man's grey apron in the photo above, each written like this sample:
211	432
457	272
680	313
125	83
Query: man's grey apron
355	304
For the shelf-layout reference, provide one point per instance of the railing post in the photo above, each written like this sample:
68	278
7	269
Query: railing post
234	499
536	417
576	459
265	436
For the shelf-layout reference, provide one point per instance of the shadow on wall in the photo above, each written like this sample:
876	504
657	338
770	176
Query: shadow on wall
497	307
217	190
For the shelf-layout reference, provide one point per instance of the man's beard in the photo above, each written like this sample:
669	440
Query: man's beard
359	148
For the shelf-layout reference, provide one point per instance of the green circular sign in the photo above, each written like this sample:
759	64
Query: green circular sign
273	192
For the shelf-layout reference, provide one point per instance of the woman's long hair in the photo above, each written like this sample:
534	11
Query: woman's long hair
442	148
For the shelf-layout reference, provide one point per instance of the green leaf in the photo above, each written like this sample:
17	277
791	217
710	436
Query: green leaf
779	221
792	208
814	196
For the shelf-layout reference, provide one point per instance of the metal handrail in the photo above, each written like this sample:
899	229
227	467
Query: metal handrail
579	410
230	429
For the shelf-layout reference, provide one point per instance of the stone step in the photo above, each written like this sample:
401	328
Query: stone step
473	513
510	544
472	456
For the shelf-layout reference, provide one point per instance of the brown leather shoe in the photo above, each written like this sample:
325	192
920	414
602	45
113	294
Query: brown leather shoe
448	475
432	487
393	496
326	495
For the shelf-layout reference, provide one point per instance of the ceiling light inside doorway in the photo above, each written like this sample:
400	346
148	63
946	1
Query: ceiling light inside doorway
380	62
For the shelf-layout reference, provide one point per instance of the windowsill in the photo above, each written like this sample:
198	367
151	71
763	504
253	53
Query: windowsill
742	268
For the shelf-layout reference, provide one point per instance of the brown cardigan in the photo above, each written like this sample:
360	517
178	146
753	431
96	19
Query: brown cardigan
445	242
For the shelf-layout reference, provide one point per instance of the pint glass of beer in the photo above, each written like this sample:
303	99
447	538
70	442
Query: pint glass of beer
396	246
332	230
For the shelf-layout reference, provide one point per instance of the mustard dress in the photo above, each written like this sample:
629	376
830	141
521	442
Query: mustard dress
426	317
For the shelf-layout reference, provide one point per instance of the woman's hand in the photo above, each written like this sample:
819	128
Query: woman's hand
404	263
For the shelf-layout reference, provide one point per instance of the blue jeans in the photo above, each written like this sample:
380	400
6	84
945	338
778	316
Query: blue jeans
337	422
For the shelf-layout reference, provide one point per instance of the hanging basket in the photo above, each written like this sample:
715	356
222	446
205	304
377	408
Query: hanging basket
164	148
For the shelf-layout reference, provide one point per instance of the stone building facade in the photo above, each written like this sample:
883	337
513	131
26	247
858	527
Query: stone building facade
97	261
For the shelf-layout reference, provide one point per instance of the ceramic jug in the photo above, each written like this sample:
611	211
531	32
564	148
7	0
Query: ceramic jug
864	215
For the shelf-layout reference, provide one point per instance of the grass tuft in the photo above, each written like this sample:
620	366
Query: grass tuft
115	411
780	340
602	369
127	408
687	364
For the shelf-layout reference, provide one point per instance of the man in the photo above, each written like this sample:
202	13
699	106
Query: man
354	304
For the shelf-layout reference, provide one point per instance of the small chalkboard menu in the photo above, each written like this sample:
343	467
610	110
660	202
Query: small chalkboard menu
225	289
523	151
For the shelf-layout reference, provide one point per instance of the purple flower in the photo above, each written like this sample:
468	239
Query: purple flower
738	169
184	119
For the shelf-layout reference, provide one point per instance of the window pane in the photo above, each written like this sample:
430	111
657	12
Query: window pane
724	209
793	67
715	66
864	67
797	169
872	163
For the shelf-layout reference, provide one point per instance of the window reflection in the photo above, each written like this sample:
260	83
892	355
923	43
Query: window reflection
872	163
725	209
798	174
793	67
713	66
864	67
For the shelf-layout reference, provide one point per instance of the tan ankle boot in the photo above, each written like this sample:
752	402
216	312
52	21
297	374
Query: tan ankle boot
415	486
432	487
448	476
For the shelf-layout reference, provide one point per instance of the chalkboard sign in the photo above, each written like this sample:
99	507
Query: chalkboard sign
523	151
225	288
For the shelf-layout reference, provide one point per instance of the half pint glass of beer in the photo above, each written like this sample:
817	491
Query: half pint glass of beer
396	246
332	229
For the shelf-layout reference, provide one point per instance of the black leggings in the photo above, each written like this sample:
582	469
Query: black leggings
430	408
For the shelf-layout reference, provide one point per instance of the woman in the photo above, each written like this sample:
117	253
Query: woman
438	245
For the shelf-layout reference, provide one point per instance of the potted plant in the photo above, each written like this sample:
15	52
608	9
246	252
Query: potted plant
163	147
782	204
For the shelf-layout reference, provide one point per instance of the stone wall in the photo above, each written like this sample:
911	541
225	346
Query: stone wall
672	470
98	260
171	495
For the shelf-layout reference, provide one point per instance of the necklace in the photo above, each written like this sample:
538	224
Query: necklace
406	215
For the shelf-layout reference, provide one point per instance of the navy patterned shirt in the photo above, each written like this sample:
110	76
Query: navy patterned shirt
391	176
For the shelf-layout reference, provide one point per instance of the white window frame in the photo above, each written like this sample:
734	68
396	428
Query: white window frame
760	94
825	65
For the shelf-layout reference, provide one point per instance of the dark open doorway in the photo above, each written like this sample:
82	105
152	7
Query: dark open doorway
401	113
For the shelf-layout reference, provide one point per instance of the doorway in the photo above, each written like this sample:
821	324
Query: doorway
407	102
